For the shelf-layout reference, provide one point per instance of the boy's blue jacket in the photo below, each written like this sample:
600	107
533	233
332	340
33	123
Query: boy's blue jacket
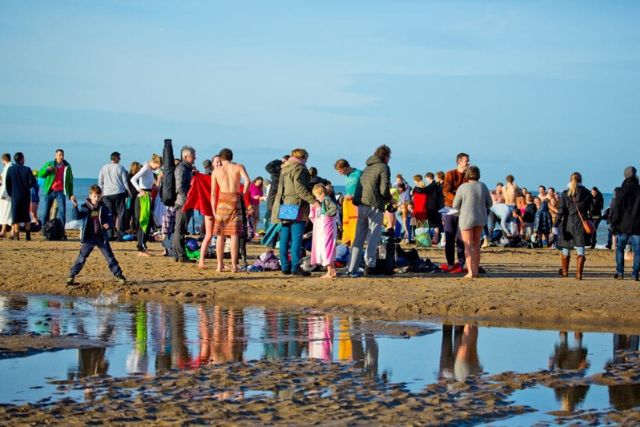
82	212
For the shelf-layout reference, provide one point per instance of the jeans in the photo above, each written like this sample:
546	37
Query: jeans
369	228
85	250
116	204
291	243
180	230
453	240
622	240
61	211
579	251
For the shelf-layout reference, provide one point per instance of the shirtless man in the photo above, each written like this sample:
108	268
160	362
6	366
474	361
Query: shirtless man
226	202
511	192
499	191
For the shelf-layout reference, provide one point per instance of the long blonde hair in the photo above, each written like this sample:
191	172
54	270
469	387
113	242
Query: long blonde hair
574	181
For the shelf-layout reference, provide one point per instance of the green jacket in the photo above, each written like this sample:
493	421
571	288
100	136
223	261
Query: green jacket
375	185
293	189
50	176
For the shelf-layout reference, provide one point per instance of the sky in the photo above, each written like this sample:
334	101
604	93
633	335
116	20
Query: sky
537	89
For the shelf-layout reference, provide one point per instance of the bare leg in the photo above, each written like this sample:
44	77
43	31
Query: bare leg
330	274
234	253
469	249
220	252
208	226
15	231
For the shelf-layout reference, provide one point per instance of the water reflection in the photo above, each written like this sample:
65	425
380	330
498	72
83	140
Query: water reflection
623	397
459	352
570	357
149	338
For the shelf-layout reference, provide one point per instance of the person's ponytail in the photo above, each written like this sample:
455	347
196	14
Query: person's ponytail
574	181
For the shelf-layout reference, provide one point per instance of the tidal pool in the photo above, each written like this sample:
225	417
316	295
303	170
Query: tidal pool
145	339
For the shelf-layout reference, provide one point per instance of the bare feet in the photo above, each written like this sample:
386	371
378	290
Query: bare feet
327	275
202	266
468	276
144	254
220	268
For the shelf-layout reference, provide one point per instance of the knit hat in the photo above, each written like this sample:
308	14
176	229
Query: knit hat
629	171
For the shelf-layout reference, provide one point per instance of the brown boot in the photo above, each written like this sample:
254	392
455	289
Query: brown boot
580	267
564	262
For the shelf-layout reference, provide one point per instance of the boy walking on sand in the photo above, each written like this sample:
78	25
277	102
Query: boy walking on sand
96	220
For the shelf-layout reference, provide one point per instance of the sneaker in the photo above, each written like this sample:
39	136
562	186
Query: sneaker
370	271
636	277
618	276
300	273
354	275
70	281
446	267
456	269
121	280
286	272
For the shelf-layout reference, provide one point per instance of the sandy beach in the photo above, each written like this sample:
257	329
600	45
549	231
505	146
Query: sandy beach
521	288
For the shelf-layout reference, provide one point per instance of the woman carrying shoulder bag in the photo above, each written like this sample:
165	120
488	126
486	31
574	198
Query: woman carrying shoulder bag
573	225
291	210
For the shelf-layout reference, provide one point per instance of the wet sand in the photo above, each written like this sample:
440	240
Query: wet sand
314	392
522	287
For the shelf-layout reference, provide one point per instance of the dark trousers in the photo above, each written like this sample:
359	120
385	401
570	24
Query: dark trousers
180	230
452	235
116	203
85	250
596	223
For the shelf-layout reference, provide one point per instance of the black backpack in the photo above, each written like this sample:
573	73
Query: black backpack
386	254
53	229
168	187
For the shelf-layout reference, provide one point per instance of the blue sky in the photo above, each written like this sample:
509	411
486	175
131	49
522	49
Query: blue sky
536	89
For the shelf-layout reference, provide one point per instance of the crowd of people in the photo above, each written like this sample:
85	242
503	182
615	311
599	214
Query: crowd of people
454	210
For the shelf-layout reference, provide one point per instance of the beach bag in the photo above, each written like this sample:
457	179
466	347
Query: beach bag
588	225
168	183
53	229
423	237
289	212
386	255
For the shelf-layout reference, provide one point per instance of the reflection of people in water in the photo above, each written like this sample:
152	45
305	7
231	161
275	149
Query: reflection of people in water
466	361
160	335
626	396
179	351
281	335
221	338
573	358
365	357
320	337
11	324
451	337
137	360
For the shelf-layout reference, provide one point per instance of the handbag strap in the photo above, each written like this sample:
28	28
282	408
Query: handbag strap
578	209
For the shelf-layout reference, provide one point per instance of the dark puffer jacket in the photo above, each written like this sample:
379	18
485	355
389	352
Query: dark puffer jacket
625	215
374	188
